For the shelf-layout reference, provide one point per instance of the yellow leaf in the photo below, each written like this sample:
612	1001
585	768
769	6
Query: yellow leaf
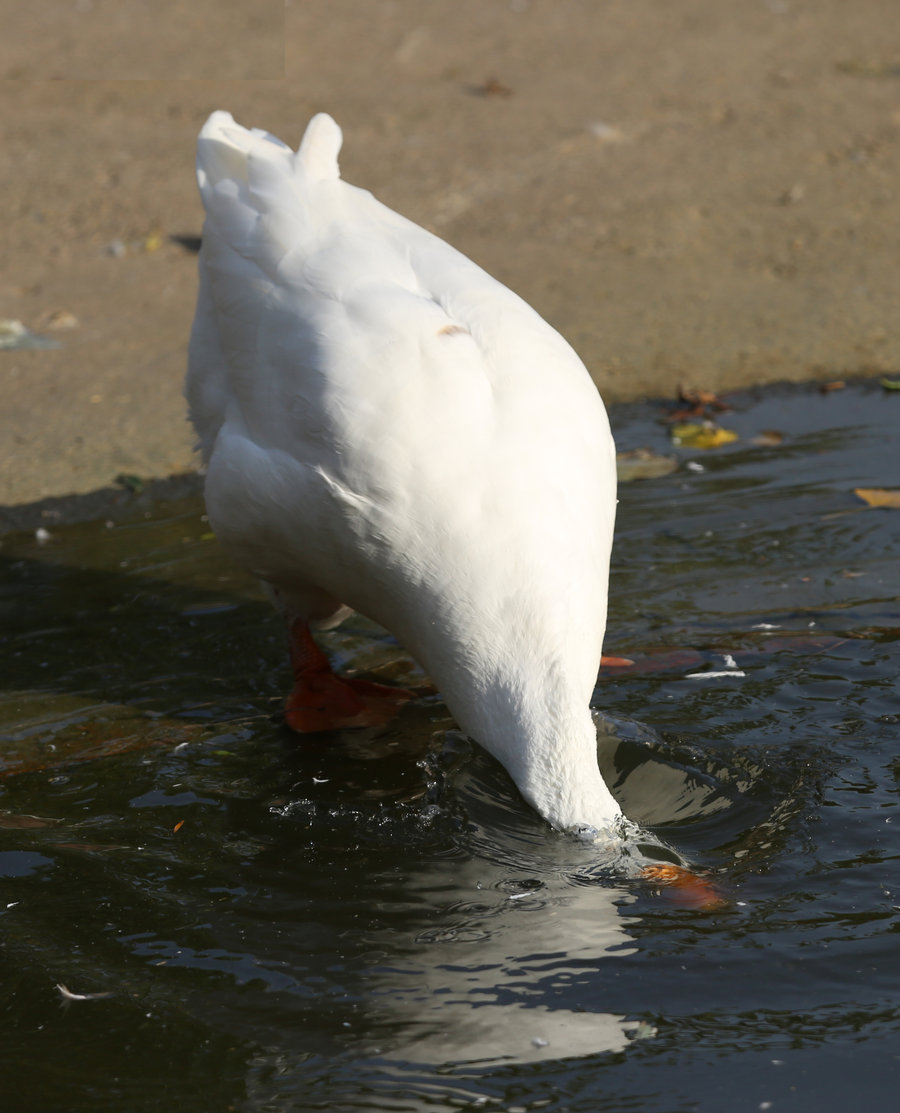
701	435
879	496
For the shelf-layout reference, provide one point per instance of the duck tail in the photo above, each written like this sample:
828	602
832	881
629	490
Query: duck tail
226	151
317	156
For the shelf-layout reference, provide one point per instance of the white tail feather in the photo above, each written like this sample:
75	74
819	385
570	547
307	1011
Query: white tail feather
318	153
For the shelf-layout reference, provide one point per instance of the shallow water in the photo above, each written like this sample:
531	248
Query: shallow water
377	922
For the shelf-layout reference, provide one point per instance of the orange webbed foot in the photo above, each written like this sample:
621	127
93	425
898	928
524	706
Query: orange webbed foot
322	701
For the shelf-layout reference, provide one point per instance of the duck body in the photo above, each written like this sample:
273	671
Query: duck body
388	429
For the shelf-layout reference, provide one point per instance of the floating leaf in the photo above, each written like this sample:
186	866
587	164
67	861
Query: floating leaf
768	438
836	384
641	463
696	405
891	384
701	435
879	496
25	822
685	888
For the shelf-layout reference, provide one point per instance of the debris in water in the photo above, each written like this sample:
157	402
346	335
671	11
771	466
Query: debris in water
68	995
696	404
768	438
641	463
686	888
731	669
704	434
879	496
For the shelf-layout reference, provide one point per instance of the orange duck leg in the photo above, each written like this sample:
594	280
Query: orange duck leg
322	701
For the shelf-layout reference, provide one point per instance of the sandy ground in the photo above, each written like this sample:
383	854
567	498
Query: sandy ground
693	191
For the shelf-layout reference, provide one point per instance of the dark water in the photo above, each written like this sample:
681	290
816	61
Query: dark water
377	922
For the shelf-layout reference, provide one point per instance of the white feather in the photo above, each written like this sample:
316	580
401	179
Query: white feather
388	428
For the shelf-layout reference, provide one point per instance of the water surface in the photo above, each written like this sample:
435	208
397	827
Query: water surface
376	921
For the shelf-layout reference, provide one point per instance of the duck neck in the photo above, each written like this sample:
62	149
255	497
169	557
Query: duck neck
550	751
562	781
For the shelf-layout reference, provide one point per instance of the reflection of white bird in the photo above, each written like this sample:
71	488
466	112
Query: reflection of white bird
471	990
389	429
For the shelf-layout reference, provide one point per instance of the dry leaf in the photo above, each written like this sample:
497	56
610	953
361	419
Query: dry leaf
879	496
691	397
492	88
768	437
61	319
696	405
837	384
868	67
701	435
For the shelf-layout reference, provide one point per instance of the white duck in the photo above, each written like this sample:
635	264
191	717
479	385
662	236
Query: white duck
387	428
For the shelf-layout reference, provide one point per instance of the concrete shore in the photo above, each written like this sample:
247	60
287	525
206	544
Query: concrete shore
692	193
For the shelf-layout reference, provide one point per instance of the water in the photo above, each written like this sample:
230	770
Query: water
377	922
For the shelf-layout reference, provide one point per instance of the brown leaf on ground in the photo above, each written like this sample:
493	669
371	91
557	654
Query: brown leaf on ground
492	88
